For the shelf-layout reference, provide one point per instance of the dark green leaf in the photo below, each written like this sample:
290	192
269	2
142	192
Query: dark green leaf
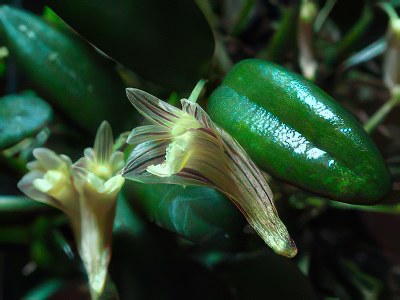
126	220
167	42
75	77
20	204
21	116
197	213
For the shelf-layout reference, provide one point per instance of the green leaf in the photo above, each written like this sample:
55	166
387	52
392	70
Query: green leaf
351	40
74	77
196	213
20	204
167	42
21	116
371	51
126	220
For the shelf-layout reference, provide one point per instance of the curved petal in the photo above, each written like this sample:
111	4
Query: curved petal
144	155
232	172
196	111
154	109
117	161
26	186
89	153
103	143
47	158
147	133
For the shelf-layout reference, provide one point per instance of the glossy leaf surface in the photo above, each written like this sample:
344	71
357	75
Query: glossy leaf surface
196	213
297	132
71	74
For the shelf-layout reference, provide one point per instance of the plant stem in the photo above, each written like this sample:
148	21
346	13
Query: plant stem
323	15
243	17
194	96
381	114
278	44
352	37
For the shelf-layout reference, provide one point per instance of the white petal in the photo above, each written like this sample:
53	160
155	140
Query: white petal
89	154
117	161
103	143
42	185
26	186
47	158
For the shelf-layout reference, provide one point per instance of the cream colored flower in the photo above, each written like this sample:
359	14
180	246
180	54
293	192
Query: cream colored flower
185	147
86	192
49	180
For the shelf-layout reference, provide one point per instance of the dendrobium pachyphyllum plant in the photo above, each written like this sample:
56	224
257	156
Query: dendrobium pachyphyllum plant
86	192
185	147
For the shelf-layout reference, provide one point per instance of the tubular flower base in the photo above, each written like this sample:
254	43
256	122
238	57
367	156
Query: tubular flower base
185	147
86	192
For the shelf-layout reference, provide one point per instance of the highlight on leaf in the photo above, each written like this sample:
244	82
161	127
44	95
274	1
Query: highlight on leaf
185	147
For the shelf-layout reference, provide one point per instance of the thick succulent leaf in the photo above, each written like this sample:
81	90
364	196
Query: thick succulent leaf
21	116
72	75
196	213
126	219
173	49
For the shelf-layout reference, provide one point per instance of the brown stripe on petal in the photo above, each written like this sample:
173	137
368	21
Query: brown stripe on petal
208	131
133	166
148	99
164	106
156	110
152	133
146	148
193	174
247	162
240	169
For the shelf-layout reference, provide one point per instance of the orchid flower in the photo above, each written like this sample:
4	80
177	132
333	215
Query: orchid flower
86	192
185	147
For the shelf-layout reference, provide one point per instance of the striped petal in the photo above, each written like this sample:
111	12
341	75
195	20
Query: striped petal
155	110
147	133
144	155
103	143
